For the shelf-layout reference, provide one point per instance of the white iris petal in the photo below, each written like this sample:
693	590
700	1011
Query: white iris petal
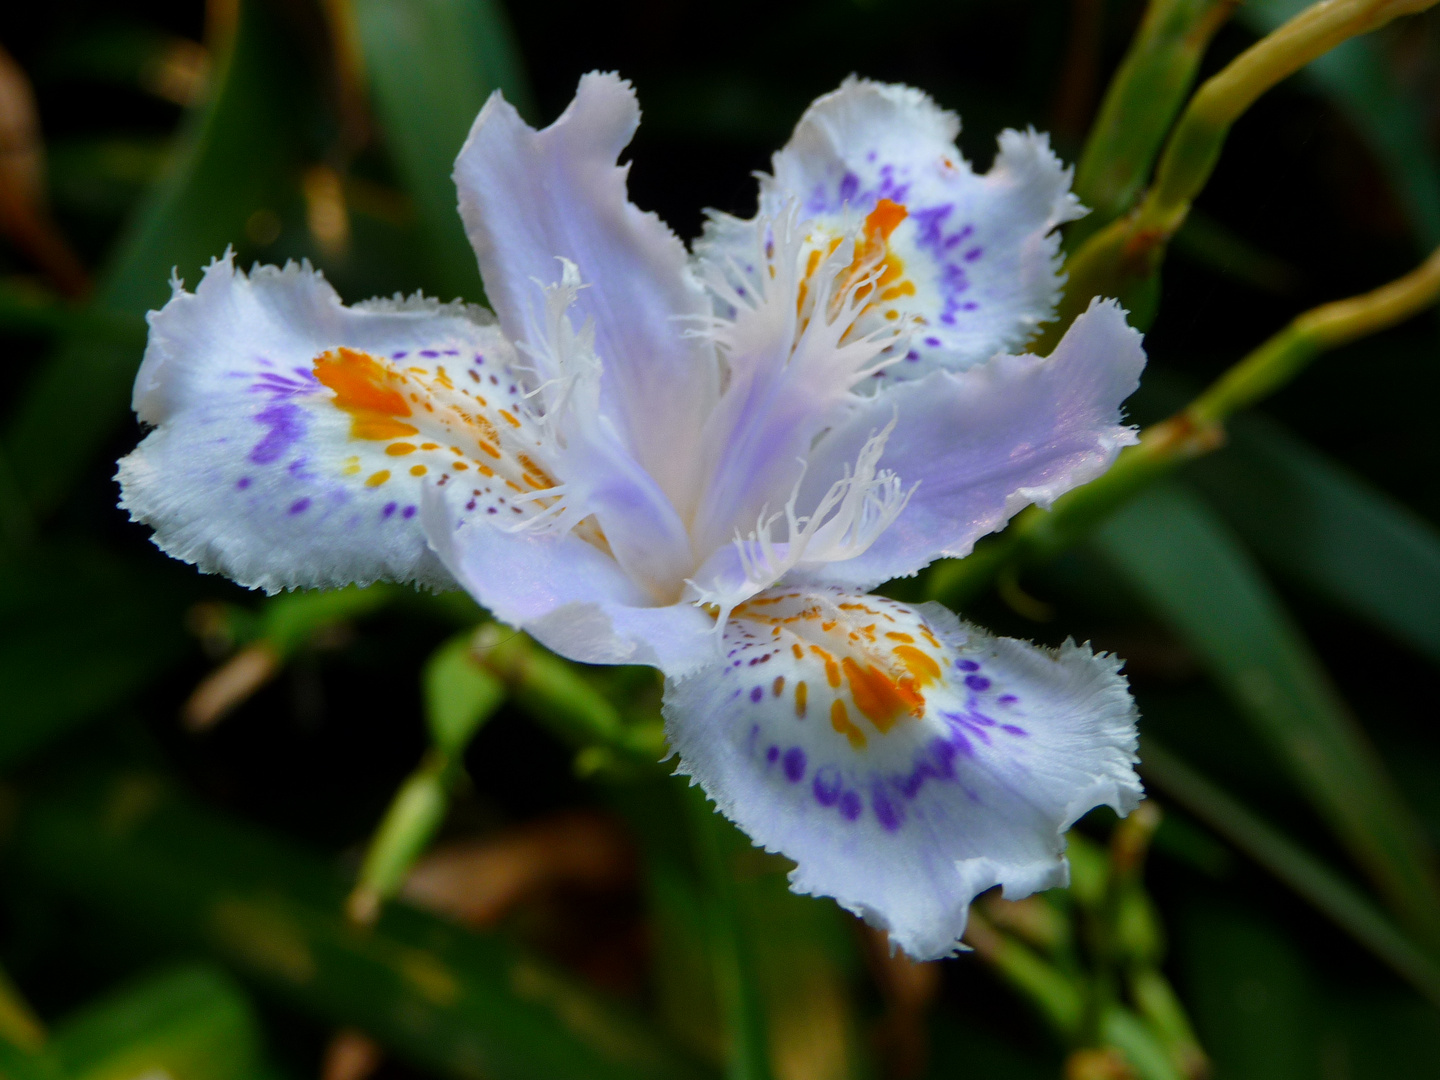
701	462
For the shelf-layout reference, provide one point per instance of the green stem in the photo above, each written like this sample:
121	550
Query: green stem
555	692
1036	535
1122	260
1144	97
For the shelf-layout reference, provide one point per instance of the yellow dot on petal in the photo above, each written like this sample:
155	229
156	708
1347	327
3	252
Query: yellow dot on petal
376	479
417	470
399	448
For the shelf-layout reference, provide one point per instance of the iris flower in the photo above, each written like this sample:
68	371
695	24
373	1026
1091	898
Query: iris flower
702	461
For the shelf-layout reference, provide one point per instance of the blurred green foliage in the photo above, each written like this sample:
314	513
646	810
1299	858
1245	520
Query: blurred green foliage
214	897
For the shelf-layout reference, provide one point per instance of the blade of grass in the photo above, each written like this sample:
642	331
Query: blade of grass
80	631
1317	883
737	987
218	180
442	998
1196	577
190	1023
430	65
1320	525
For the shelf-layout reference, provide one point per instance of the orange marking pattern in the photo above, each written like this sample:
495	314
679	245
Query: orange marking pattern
420	412
366	389
876	678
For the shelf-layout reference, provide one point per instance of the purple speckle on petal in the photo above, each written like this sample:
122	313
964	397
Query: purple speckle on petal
1011	729
889	814
849	187
389	509
967	665
772	755
286	422
850	805
933	342
977	682
1007	699
794	764
912	355
973	254
756	694
243	483
430	353
299	506
408	513
826	785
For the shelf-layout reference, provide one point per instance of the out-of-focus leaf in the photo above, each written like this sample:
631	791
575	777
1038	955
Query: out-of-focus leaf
732	951
1196	577
290	620
1252	996
1308	876
219	178
1324	527
19	1026
458	1003
192	1023
80	630
431	64
460	695
17	1064
1359	78
1212	244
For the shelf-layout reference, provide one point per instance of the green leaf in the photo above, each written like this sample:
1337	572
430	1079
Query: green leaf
292	619
192	1023
1360	78
414	815
1320	886
462	1004
80	631
431	64
1196	577
1329	530
232	157
460	695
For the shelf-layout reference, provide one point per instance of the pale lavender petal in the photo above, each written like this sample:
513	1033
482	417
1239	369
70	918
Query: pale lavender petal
976	256
905	761
567	593
293	435
531	197
984	443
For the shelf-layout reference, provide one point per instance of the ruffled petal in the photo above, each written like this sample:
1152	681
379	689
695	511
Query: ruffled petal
565	591
905	761
987	442
974	257
293	435
532	197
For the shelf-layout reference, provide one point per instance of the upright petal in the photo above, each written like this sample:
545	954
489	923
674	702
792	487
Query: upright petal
293	434
984	443
531	197
974	257
905	761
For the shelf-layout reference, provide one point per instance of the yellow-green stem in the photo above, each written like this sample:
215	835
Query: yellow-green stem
1122	260
1036	534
